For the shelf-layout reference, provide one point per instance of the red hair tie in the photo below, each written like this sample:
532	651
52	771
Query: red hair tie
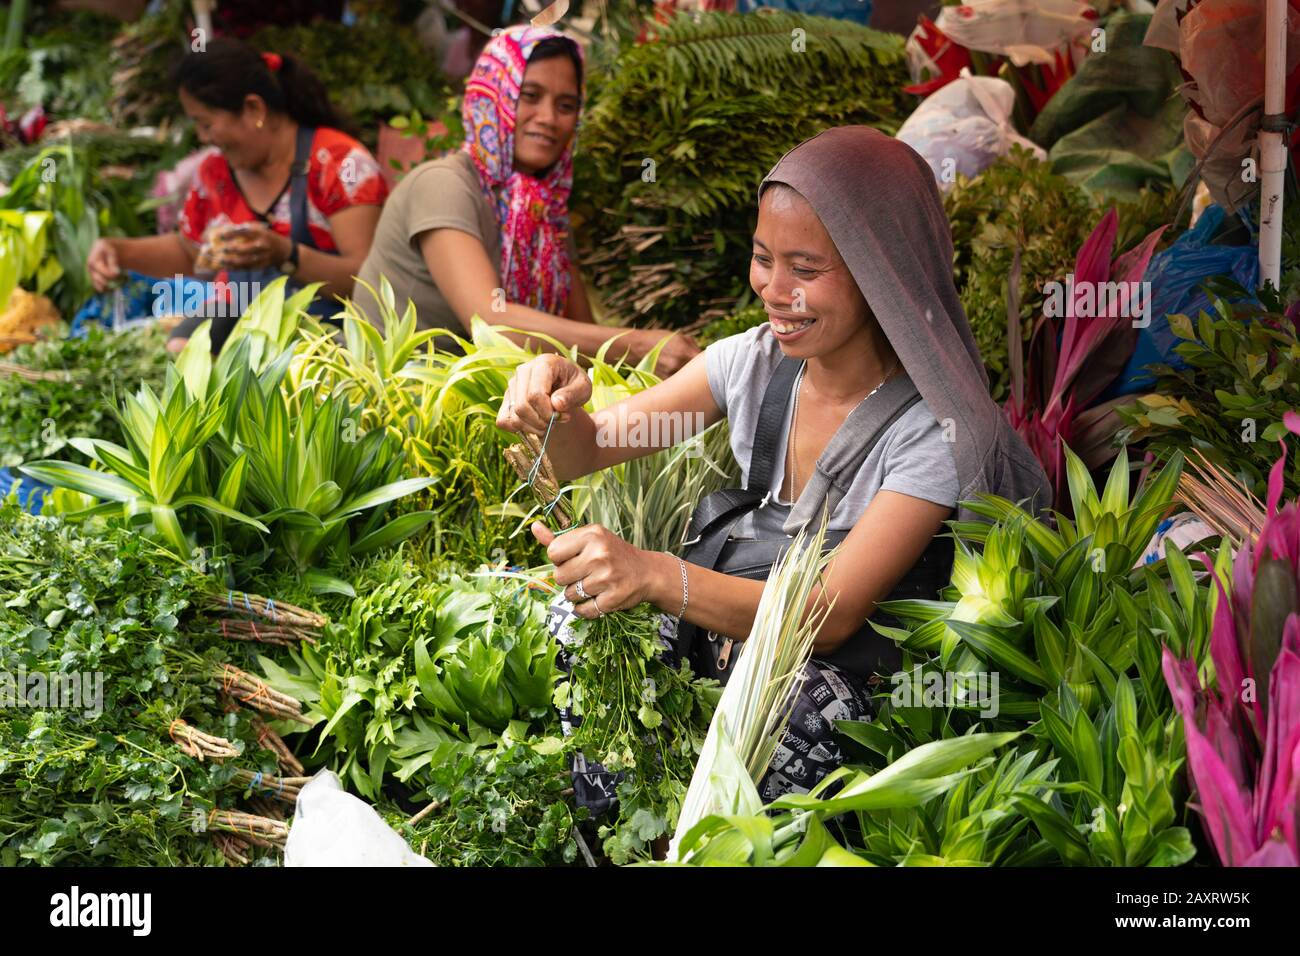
272	61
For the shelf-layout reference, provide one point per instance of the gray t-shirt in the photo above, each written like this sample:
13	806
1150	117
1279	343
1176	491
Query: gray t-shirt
439	194
911	457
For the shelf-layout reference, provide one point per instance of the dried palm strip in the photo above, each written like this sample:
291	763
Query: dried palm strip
1219	499
41	375
545	485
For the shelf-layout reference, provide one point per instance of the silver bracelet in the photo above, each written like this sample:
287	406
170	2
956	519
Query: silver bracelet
686	590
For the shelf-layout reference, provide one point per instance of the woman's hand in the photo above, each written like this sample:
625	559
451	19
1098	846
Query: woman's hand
614	575
549	383
103	265
677	351
253	246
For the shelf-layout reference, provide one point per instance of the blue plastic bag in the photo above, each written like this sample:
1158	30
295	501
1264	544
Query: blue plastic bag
857	10
144	300
1176	275
31	493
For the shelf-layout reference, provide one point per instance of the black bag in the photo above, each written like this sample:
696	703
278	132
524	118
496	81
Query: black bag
711	544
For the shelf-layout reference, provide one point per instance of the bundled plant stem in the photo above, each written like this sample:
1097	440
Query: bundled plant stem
254	692
257	830
1220	499
270	740
198	744
282	788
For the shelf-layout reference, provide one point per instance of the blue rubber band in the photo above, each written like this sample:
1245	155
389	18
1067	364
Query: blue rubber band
256	781
247	603
270	607
230	599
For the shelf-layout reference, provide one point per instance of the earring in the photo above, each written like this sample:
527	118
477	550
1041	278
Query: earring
259	124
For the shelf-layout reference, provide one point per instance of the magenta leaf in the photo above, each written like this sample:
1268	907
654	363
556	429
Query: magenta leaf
1224	806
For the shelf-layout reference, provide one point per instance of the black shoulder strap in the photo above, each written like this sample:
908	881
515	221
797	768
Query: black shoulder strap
767	429
298	230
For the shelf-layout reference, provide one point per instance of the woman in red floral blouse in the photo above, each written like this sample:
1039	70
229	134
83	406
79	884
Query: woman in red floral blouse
264	113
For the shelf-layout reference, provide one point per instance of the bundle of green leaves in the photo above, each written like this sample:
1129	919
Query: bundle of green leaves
498	806
1018	203
233	457
665	205
1243	375
641	716
61	65
420	669
66	387
89	776
372	70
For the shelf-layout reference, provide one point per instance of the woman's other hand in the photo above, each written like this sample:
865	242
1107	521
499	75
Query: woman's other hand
252	246
614	574
103	265
540	387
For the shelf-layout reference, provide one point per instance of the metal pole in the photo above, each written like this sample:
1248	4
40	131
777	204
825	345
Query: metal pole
1273	153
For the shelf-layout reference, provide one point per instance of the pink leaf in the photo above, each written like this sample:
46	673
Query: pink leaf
1283	736
1225	648
1274	852
1275	479
1224	807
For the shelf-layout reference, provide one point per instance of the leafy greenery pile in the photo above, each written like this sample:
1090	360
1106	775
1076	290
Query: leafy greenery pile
65	388
421	667
80	787
1243	375
682	128
372	70
62	66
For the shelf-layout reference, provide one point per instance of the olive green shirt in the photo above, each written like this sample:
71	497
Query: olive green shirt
439	194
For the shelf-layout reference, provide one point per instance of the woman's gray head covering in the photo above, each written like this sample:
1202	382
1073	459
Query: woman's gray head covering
878	201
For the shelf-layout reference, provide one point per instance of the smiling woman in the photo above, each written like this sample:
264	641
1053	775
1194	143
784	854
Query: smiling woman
485	230
289	192
862	399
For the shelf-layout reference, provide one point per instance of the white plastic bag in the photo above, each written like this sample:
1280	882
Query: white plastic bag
964	127
1025	31
333	828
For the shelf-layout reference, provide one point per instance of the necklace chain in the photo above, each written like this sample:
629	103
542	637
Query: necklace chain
794	416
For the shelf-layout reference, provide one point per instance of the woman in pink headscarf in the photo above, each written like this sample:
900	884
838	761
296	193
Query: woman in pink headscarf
484	231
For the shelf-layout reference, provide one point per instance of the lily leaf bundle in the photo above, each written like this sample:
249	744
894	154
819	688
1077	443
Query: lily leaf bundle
229	449
1062	619
418	672
755	706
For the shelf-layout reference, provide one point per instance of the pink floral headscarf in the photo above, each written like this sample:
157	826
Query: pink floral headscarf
533	213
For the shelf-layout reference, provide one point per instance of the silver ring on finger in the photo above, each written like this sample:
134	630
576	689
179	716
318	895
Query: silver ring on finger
582	592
